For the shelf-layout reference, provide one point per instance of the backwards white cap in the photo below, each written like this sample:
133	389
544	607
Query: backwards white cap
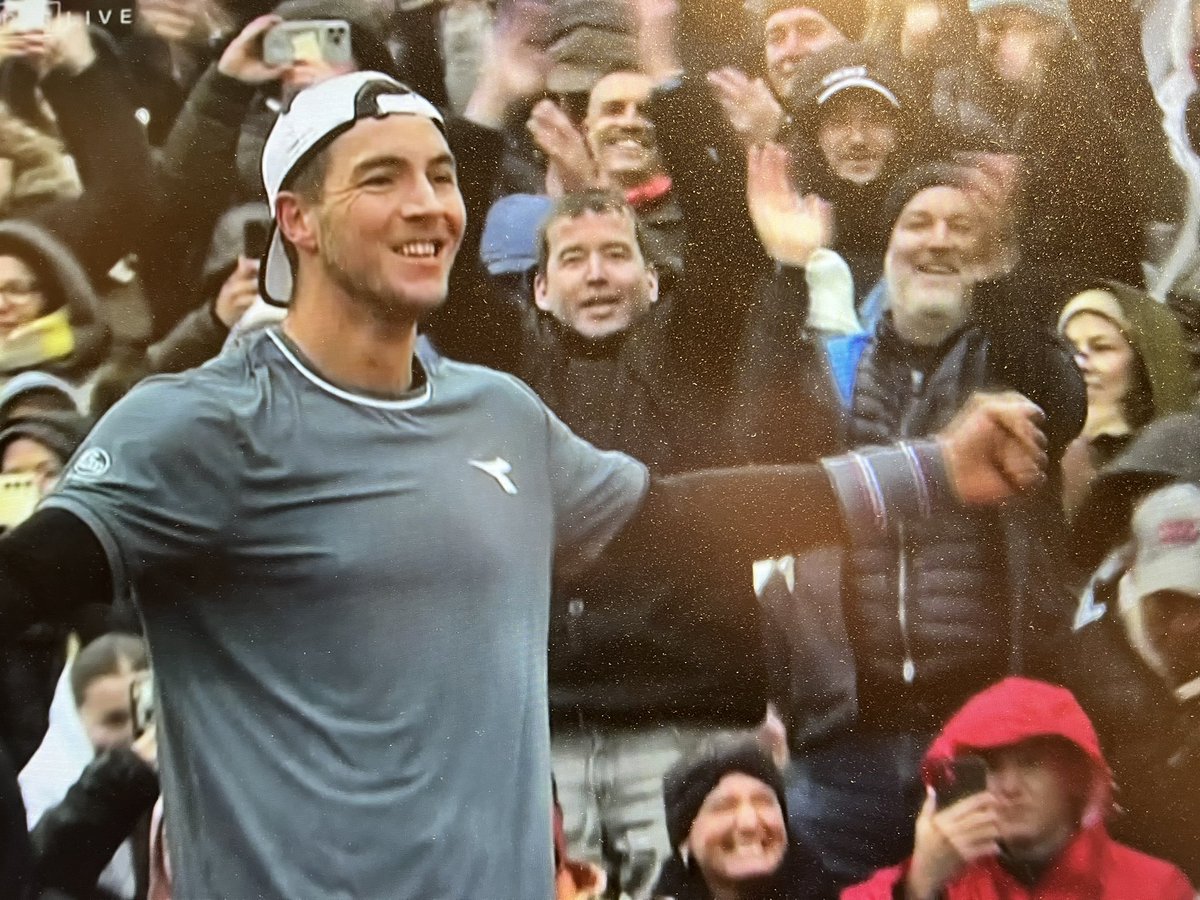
316	116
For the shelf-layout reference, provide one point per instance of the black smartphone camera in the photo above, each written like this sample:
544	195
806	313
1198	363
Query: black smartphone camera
965	776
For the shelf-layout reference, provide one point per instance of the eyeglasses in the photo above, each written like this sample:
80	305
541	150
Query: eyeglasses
20	293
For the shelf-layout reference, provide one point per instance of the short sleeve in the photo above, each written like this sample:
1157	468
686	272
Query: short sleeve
595	493
155	479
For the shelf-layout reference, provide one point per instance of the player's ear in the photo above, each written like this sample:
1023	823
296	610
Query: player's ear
297	221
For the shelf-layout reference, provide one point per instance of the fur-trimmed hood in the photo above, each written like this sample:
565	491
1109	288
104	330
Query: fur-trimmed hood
65	285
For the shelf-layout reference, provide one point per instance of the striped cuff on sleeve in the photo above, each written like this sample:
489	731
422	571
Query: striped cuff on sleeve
879	486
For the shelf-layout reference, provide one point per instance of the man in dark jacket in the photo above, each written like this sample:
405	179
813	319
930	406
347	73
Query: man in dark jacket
932	612
1132	658
632	372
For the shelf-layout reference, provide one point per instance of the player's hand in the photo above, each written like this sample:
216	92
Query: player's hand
243	58
994	448
789	226
749	106
238	293
948	840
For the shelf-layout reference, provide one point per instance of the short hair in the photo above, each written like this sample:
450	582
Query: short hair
572	206
105	656
308	183
308	180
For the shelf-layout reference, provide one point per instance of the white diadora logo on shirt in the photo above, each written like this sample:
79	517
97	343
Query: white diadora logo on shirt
93	464
498	468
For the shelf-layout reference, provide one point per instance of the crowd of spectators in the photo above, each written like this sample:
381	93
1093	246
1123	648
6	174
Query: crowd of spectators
705	235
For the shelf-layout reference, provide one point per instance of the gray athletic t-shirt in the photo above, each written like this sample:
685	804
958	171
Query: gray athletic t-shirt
346	601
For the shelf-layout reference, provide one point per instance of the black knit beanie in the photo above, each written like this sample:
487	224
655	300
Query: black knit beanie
847	16
915	180
691	780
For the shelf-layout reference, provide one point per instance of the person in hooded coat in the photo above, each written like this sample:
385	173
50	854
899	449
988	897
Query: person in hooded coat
1038	830
1151	732
1132	353
856	129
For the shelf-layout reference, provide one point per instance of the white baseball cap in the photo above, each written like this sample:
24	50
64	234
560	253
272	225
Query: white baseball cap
1166	529
1166	533
315	117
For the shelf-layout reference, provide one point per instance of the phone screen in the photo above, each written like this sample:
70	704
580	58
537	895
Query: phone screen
965	776
19	495
254	239
27	15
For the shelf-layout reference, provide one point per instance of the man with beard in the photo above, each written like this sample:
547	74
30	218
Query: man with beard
941	608
342	543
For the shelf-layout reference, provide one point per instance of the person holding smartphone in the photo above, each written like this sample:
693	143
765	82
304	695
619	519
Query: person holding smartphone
1035	828
79	843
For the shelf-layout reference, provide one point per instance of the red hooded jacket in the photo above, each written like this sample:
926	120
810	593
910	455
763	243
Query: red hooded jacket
1092	866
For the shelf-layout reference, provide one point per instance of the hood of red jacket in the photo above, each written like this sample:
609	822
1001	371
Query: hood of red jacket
1015	710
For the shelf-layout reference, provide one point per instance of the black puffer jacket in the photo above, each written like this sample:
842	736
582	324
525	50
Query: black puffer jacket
938	609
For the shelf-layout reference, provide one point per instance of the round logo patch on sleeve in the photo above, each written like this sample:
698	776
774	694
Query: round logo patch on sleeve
92	464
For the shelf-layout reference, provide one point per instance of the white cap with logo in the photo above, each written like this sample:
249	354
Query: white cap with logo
1166	533
315	117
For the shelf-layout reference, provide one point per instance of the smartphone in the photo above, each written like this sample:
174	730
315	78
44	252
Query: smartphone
965	776
254	238
141	702
309	40
28	15
19	495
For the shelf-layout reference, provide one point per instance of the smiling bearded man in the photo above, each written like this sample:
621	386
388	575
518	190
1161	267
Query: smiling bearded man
940	609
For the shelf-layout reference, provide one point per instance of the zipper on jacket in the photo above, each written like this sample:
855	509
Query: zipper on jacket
908	670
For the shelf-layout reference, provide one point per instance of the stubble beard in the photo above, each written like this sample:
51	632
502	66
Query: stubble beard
384	305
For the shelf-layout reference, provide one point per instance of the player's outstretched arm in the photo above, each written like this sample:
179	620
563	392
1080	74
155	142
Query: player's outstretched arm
992	451
50	565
